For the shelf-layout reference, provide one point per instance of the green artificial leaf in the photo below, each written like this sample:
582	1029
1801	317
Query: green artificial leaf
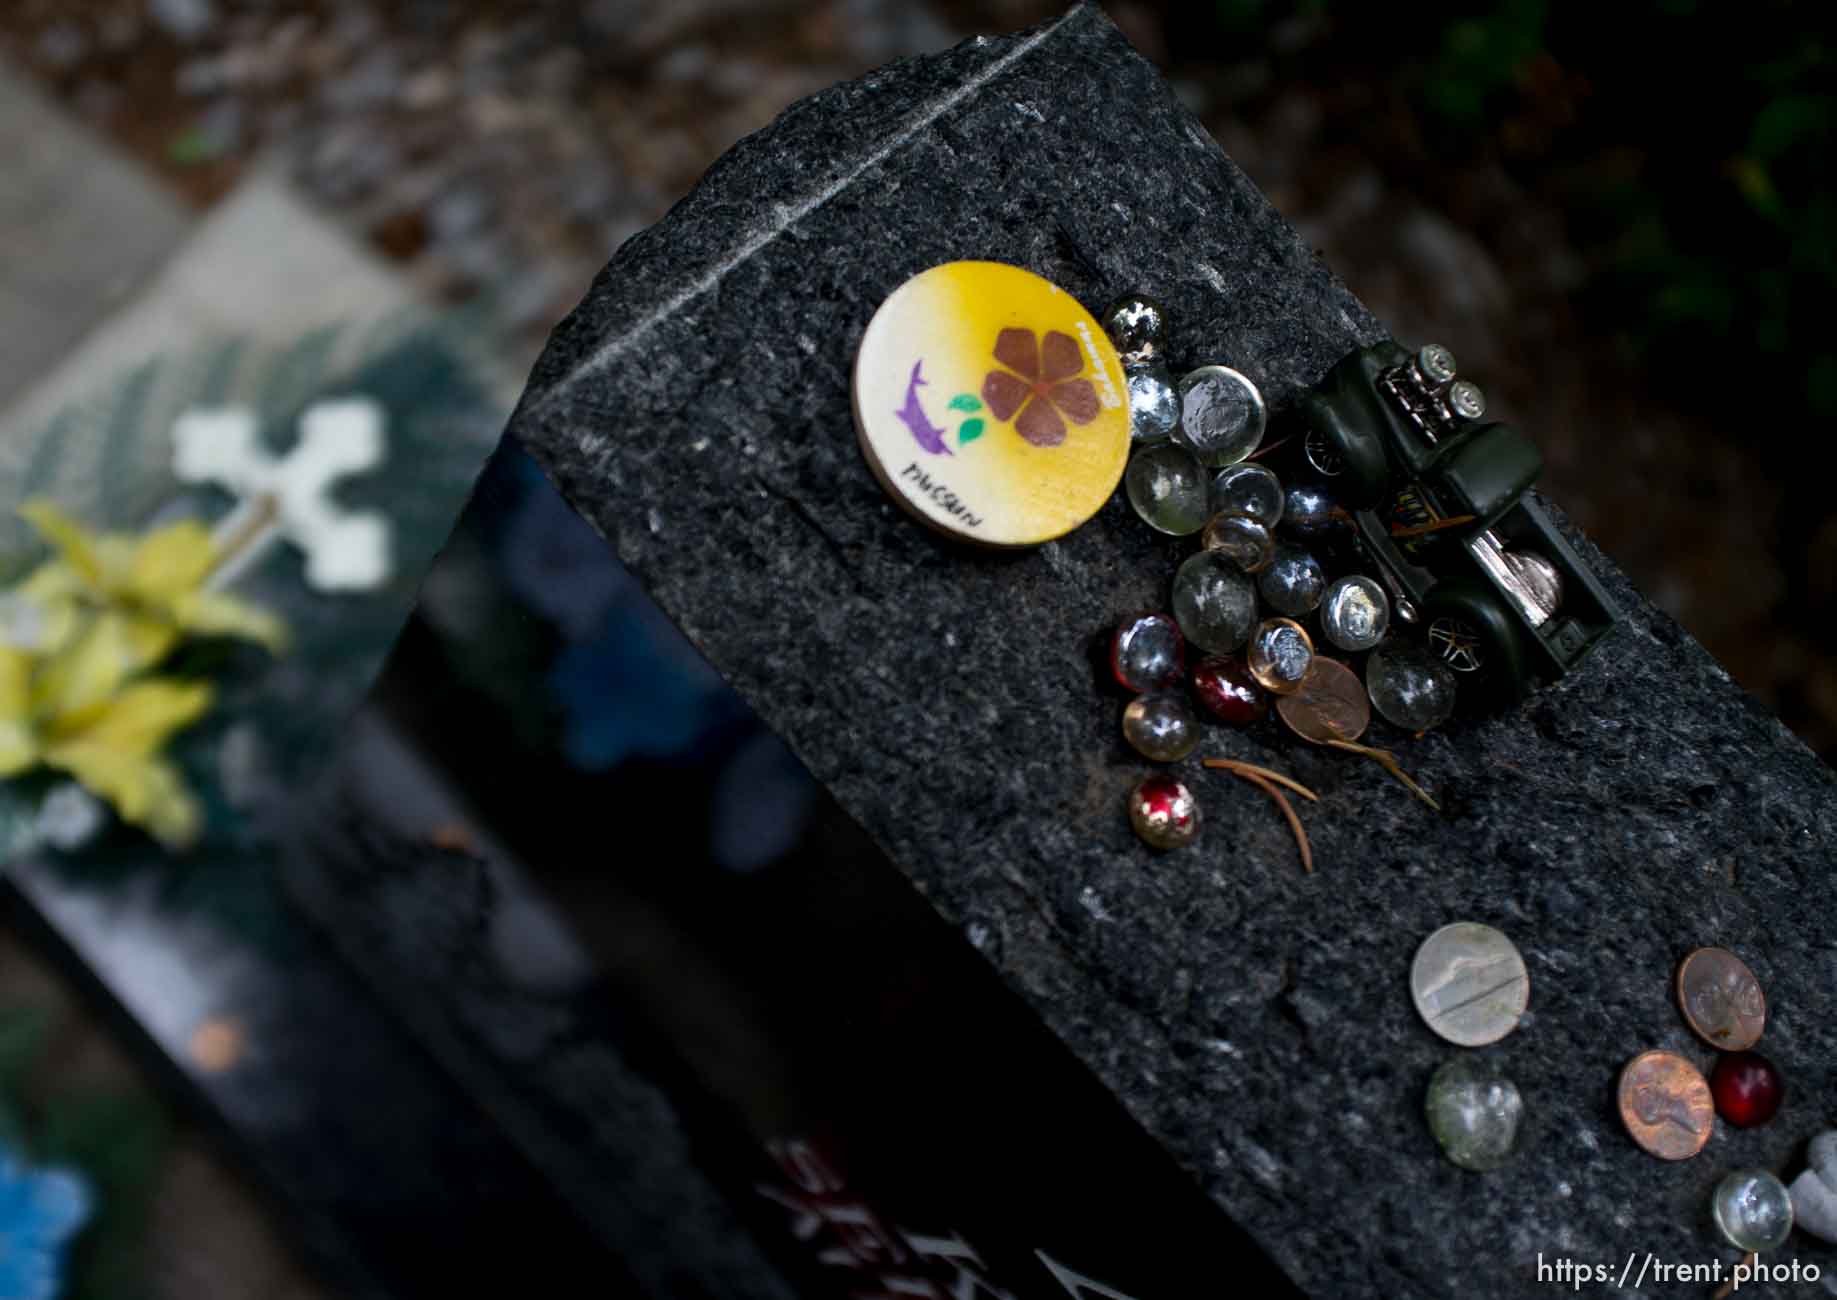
969	431
216	370
47	455
125	428
295	377
965	402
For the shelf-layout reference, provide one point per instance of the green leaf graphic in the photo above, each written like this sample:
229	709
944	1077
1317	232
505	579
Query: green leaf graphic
965	402
969	430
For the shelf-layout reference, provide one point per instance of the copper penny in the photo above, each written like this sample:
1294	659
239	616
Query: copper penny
1665	1104
1721	999
1331	704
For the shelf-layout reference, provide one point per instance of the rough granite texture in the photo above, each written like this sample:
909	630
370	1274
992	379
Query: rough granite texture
1256	1021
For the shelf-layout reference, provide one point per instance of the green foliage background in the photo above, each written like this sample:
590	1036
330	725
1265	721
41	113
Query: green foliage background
1690	142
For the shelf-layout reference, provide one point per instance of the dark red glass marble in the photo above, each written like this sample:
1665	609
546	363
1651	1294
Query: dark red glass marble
1227	690
1148	652
1746	1088
1163	812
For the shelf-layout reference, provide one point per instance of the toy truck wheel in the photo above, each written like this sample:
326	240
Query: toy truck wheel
1457	643
1469	629
1351	457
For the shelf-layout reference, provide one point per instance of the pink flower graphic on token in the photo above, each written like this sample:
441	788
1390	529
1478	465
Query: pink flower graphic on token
1039	383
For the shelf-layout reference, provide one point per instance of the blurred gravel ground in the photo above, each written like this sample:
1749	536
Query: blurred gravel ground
506	149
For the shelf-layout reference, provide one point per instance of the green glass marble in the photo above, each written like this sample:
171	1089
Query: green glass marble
1168	489
1474	1112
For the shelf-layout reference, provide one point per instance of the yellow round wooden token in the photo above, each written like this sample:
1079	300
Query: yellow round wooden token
991	404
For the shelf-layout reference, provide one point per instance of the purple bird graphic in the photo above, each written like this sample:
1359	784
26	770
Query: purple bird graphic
928	435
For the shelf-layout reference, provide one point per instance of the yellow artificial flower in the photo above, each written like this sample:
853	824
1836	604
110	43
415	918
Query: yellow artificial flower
115	753
18	748
150	588
107	608
111	744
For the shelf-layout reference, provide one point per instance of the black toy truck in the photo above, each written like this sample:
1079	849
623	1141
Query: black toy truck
1440	500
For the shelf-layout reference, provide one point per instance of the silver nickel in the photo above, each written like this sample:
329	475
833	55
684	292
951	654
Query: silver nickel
1470	984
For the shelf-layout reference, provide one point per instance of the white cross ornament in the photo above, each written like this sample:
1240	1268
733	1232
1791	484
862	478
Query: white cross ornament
290	496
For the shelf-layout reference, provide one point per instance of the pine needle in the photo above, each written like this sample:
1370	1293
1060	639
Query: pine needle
1435	526
1288	811
1242	769
1388	761
1267	781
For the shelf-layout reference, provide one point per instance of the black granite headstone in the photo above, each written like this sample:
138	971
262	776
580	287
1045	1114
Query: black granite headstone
1255	1021
686	985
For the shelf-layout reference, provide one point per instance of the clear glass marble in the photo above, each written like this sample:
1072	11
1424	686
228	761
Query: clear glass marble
1475	1112
1292	582
1137	325
1214	603
1355	613
1408	687
1310	512
1221	415
1247	542
1753	1210
1147	652
1248	490
1154	406
1161	726
1168	488
1281	652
